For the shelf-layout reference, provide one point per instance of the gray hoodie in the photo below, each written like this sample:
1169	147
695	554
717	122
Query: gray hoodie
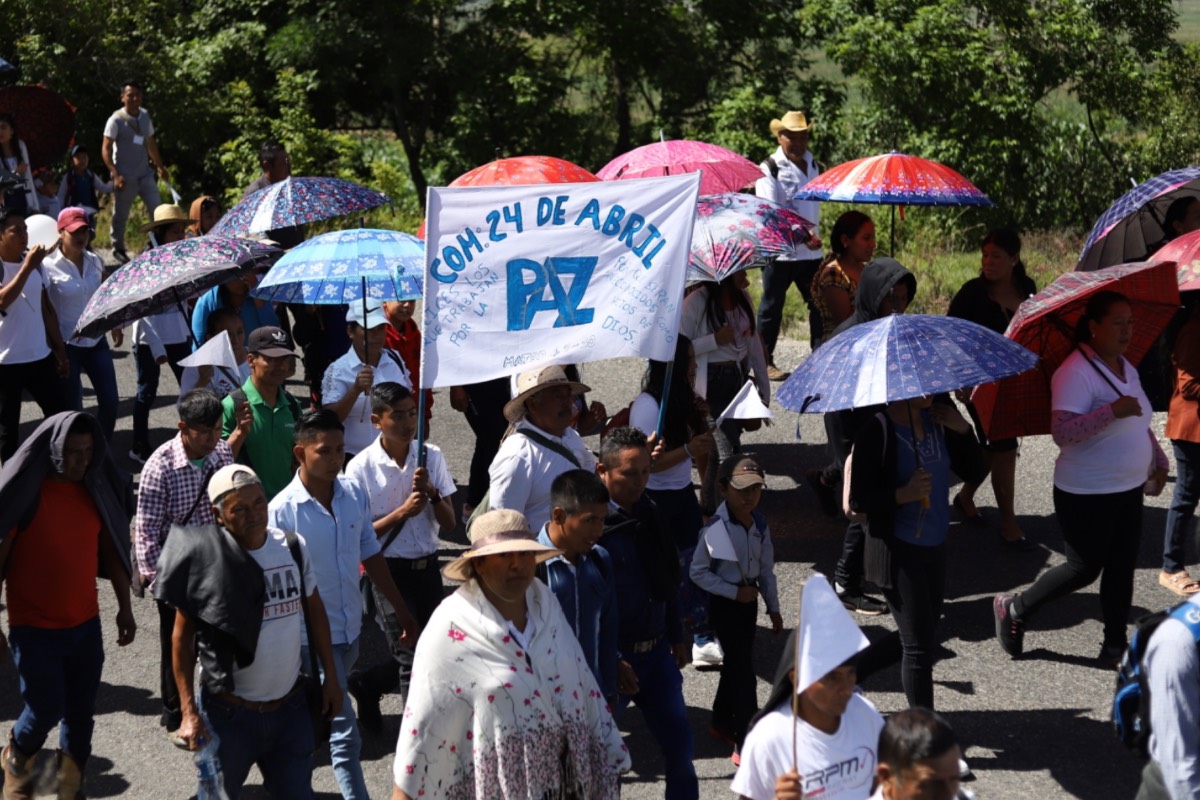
879	277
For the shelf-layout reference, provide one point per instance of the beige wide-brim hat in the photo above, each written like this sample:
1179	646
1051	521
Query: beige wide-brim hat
793	121
167	214
531	382
499	531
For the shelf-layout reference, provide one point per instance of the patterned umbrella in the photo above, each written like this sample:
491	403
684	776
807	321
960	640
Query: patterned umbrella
894	178
297	201
45	122
165	276
722	170
1045	323
900	357
733	232
1131	228
524	170
348	267
1185	252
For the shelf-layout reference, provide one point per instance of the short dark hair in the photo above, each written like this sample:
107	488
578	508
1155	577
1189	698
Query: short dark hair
314	422
200	407
270	150
912	735
219	316
125	84
575	488
387	394
619	439
8	213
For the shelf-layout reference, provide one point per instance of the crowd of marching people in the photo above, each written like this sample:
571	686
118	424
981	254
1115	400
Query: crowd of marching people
604	553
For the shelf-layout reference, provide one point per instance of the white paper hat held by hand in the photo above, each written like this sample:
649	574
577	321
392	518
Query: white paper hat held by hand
827	634
216	352
746	404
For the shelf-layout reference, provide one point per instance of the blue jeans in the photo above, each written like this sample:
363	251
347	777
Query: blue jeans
1181	517
345	742
97	362
60	676
280	742
148	373
660	697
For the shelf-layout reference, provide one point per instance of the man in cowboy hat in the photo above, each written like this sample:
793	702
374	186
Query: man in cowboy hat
542	446
131	154
786	171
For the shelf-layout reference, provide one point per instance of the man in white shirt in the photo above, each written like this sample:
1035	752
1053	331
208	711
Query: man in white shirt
786	171
542	446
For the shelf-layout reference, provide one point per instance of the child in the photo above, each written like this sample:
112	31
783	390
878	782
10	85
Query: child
734	562
81	187
410	506
582	577
221	380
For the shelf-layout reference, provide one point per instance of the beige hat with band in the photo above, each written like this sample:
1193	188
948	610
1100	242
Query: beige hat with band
499	531
793	121
167	214
535	380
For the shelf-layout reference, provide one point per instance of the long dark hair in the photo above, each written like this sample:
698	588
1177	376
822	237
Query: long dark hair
847	225
1097	309
683	419
14	145
1008	241
712	302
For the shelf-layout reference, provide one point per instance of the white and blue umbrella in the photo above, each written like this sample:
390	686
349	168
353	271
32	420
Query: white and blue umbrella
360	265
900	357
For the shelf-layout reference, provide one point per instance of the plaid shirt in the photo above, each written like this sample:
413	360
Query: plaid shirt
167	490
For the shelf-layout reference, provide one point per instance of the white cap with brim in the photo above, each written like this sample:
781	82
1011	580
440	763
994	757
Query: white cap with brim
535	380
827	636
499	531
374	318
228	478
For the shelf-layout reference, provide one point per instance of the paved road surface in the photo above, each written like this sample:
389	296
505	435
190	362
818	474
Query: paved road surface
1034	728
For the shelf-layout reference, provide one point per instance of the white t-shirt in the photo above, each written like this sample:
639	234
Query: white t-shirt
1117	458
388	485
70	290
22	331
643	415
277	658
833	767
342	374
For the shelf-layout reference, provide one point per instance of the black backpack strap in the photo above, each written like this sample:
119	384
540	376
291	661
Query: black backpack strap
772	167
293	543
550	444
199	496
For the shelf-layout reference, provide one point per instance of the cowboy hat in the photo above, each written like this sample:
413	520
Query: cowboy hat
167	214
535	380
500	531
793	121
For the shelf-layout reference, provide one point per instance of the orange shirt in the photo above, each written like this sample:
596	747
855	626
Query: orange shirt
52	566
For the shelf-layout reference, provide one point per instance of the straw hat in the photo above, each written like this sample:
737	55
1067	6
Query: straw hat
535	380
793	121
499	531
167	214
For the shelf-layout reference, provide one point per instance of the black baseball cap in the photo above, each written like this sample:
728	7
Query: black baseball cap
270	341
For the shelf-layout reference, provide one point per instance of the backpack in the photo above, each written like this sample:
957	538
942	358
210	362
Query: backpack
1131	700
851	514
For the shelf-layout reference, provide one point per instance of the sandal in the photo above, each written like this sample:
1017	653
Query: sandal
1180	583
975	519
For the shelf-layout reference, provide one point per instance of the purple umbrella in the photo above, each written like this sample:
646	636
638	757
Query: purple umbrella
297	201
169	275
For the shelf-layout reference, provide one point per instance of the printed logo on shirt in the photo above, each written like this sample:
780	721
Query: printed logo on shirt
845	776
283	592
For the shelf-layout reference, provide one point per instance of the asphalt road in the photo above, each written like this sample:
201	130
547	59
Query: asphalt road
1033	728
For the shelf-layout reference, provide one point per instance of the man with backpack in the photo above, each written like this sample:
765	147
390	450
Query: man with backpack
786	171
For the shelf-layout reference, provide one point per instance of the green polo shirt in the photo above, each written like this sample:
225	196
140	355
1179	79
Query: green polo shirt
268	448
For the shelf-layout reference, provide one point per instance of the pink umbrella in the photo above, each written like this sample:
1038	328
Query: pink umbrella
1184	251
722	170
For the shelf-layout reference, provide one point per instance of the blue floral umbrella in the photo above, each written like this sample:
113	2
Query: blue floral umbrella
900	357
297	201
349	266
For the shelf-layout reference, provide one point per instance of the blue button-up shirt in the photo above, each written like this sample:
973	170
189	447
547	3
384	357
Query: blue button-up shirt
337	544
641	616
587	593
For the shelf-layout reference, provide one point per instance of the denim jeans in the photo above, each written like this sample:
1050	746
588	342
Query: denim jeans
148	373
97	363
660	697
345	742
59	670
1181	516
280	742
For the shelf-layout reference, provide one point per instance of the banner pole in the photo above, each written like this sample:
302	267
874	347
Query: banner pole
662	403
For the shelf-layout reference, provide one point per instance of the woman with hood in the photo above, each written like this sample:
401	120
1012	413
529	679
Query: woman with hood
206	211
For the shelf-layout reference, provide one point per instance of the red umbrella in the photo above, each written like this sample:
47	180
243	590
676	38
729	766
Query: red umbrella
721	170
1184	251
1045	323
45	122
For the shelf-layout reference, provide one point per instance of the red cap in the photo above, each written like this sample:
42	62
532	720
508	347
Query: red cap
72	219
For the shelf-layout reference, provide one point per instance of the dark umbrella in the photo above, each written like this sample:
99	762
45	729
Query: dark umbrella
1132	227
6	67
297	201
45	122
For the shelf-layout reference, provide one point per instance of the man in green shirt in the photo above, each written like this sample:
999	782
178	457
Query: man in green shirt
258	418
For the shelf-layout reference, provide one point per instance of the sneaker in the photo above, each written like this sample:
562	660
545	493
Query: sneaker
1010	631
708	655
139	453
964	770
825	493
860	603
775	374
366	701
120	255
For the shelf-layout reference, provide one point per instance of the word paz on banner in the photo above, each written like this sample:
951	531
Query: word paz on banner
525	299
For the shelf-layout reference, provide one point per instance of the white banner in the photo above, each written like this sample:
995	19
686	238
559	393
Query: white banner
518	277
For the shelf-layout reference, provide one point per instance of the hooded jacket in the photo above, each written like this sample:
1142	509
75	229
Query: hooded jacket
879	277
41	455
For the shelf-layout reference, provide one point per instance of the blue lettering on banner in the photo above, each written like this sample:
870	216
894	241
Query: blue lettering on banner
526	299
511	214
552	211
456	258
590	211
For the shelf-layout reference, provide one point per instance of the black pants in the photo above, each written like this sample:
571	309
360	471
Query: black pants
485	415
171	716
148	374
849	570
1101	533
916	597
736	701
422	592
777	278
41	379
